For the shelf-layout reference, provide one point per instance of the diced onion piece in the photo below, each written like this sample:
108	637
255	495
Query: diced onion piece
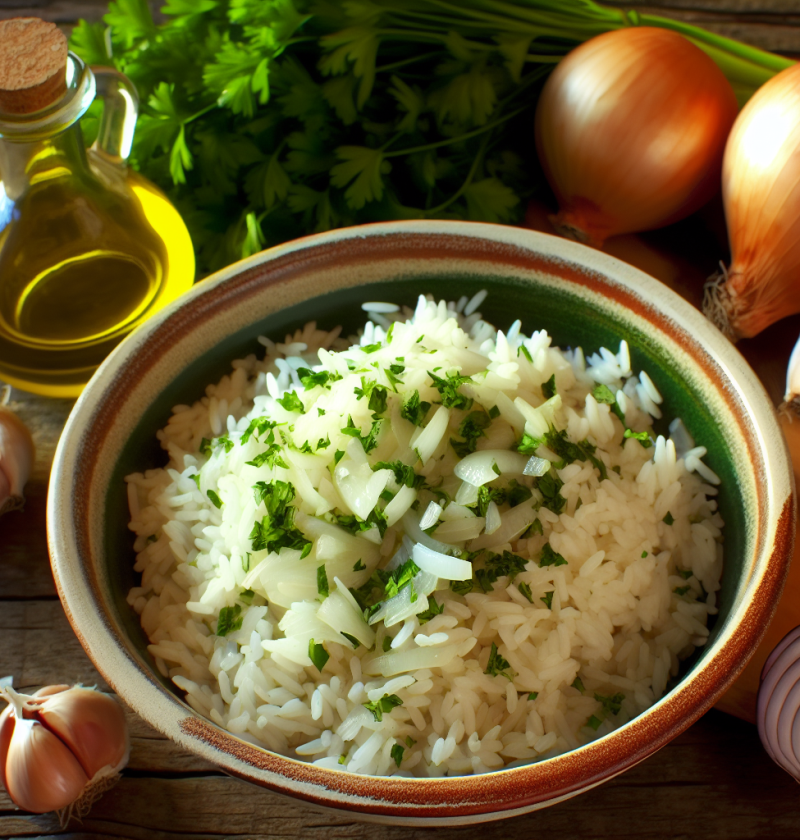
478	468
431	436
415	533
337	612
515	521
431	515
493	518
401	607
536	466
441	565
467	494
399	505
415	659
460	530
457	511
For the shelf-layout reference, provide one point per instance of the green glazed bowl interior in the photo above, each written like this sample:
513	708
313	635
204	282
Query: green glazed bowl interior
582	298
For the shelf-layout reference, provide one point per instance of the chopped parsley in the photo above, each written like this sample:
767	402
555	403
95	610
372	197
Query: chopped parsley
578	683
311	379
533	695
318	655
506	564
604	394
403	474
434	609
359	566
642	437
535	528
323	588
494	412
383	706
528	445
387	643
550	557
681	590
549	387
246	596
461	587
352	639
397	754
215	499
498	666
488	494
277	530
525	352
517	493
413	409
401	577
271	457
611	705
257	427
668	519
230	620
291	402
685	573
644	554
525	589
569	452
370	440
547	599
376	395
448	390
471	428
550	488
594	722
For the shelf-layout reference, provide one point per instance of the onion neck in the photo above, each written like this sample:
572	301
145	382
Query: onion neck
582	221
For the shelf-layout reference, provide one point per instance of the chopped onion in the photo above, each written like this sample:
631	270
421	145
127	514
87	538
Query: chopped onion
398	662
417	535
493	518
402	606
431	515
400	504
338	613
536	466
515	521
478	468
461	530
441	565
431	436
467	494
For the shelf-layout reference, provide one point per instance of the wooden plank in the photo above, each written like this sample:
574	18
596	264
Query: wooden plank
690	789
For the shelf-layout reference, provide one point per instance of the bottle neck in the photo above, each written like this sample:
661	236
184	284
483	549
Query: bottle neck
25	164
47	144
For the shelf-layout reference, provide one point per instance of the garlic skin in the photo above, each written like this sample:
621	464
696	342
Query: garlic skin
16	457
61	748
761	196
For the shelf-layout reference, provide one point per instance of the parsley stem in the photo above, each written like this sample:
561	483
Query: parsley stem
468	180
450	140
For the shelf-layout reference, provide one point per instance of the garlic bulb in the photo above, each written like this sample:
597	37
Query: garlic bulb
791	399
61	747
16	457
779	703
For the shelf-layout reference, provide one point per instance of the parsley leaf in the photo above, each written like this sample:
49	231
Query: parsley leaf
230	620
550	557
498	666
383	706
323	589
317	654
413	409
448	388
291	402
397	754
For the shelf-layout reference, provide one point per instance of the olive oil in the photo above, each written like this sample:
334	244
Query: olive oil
88	250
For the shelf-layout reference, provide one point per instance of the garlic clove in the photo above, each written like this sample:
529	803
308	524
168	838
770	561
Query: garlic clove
6	731
16	459
41	773
92	725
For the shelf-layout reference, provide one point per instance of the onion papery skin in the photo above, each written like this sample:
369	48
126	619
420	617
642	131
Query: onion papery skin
778	704
761	196
630	131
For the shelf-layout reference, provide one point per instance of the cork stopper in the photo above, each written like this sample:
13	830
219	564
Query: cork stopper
33	64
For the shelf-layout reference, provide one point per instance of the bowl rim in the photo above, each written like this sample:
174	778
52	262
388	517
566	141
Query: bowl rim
462	799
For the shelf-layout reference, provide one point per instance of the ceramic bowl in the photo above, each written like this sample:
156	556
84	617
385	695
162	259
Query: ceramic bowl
582	297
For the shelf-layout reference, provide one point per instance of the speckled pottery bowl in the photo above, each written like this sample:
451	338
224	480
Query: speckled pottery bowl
582	297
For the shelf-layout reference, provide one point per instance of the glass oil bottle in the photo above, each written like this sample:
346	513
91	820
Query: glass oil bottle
88	248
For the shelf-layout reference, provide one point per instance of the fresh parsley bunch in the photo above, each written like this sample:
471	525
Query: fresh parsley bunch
267	119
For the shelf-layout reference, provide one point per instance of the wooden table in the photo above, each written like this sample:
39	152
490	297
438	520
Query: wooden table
714	781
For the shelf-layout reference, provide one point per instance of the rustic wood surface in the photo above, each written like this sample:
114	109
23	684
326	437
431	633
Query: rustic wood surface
714	781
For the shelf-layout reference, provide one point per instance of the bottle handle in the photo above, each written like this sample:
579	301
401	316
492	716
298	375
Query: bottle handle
120	109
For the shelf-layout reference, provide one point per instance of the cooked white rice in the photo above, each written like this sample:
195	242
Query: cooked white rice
484	659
